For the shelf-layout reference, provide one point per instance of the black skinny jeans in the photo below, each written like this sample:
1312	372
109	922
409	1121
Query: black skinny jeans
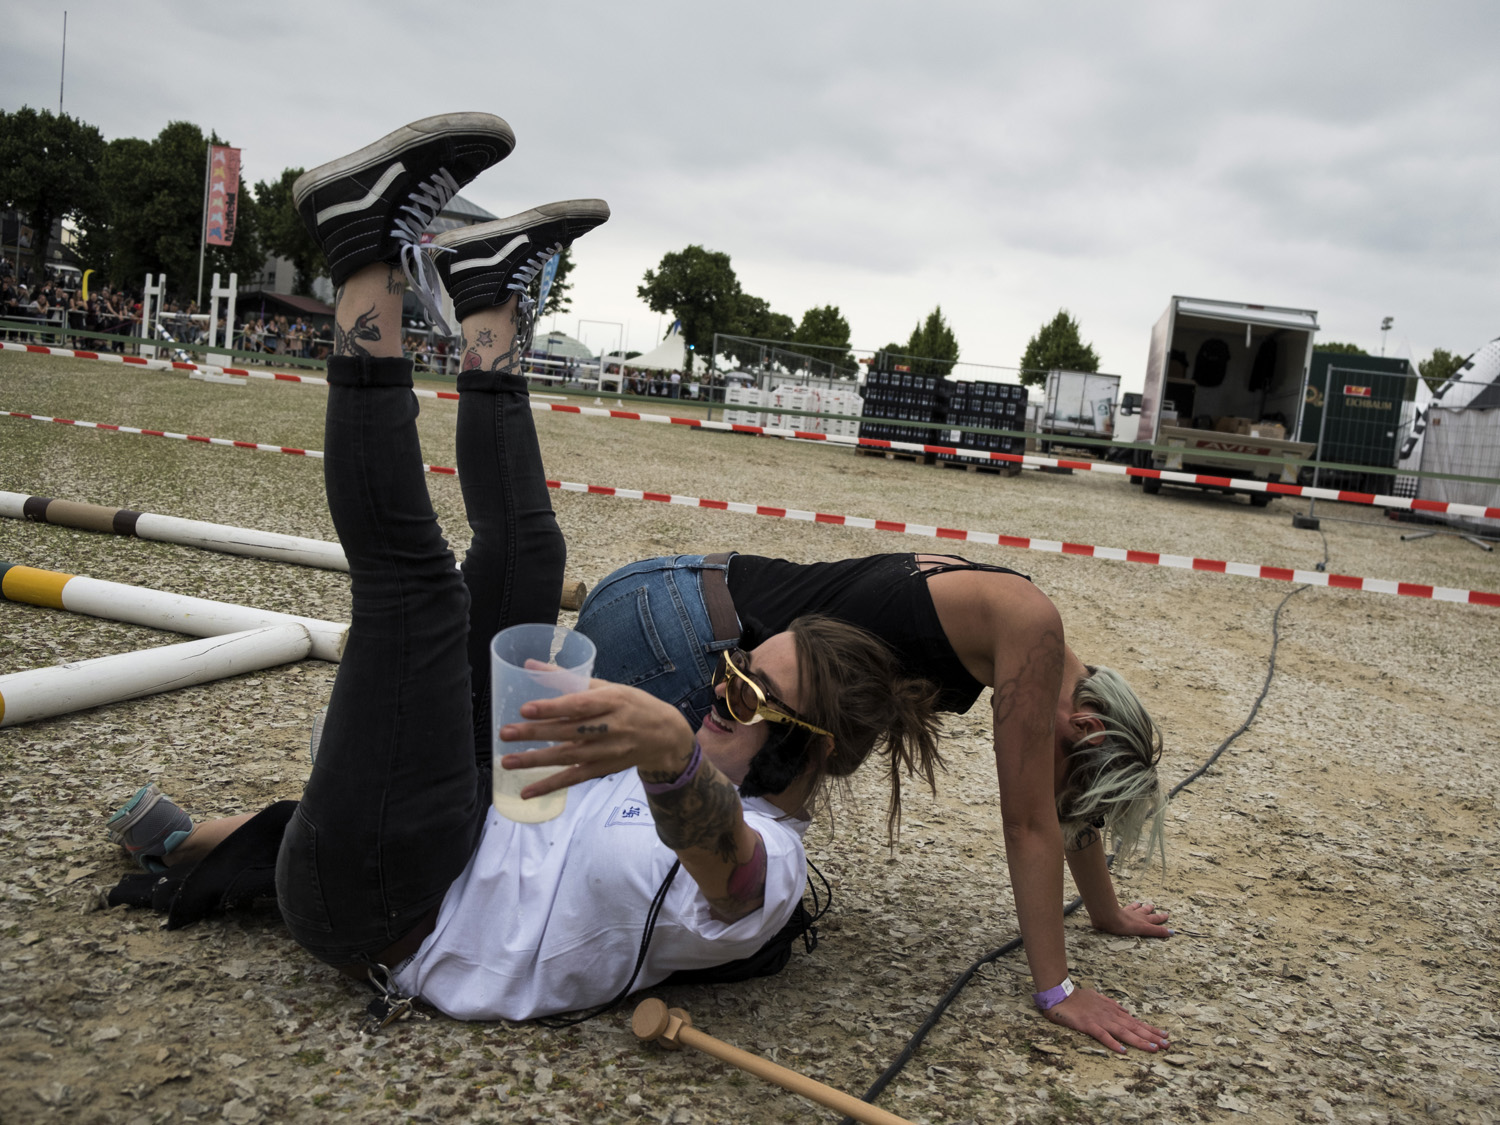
398	794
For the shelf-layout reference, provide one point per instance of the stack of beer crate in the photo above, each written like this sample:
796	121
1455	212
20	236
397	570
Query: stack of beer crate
982	405
894	399
792	396
742	405
832	404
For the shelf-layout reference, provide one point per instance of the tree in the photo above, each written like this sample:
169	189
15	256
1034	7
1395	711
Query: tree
826	332
890	357
1440	366
283	232
48	166
759	320
932	347
1341	349
1057	346
152	217
700	289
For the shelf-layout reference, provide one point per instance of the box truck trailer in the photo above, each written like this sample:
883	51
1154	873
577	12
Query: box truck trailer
1225	377
1080	403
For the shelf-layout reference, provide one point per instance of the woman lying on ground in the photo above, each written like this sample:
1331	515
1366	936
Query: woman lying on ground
393	867
1074	748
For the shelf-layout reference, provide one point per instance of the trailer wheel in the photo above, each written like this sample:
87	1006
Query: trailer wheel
1151	485
1260	499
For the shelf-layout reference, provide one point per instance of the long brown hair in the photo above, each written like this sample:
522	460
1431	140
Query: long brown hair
852	685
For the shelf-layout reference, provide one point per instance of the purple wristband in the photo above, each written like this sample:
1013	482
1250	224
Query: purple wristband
1053	996
690	771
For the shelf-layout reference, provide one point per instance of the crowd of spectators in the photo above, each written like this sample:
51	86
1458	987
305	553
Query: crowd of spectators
51	299
662	384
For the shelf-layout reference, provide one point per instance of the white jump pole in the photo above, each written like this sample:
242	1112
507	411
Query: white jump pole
43	693
139	605
220	537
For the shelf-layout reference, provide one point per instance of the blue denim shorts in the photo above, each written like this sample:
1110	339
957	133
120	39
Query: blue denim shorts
652	629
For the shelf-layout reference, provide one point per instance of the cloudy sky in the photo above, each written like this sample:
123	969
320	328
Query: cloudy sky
1000	160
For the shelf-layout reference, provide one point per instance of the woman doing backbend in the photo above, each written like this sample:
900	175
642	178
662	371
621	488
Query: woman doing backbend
1075	750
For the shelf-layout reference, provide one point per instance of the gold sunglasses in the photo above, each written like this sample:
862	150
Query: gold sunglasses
746	701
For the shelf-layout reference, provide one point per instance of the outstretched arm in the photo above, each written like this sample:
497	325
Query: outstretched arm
696	808
1026	638
1095	884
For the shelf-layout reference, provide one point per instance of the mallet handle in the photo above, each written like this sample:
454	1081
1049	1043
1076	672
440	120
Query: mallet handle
789	1079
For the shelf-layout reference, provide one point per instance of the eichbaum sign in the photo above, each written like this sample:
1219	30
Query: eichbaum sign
223	193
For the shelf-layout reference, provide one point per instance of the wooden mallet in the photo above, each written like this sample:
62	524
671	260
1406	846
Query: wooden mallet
673	1028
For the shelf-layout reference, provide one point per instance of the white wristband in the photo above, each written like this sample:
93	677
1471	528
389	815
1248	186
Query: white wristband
1054	995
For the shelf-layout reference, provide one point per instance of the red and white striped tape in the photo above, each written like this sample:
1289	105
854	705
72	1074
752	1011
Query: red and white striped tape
1052	546
1396	503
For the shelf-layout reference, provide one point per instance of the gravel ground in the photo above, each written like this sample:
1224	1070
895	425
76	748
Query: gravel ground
1337	867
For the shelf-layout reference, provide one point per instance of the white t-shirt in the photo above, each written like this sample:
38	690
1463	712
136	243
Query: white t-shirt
548	917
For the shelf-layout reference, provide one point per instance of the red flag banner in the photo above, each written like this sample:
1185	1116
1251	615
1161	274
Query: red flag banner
223	191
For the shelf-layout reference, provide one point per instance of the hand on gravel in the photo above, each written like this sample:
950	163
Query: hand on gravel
1099	1016
1138	919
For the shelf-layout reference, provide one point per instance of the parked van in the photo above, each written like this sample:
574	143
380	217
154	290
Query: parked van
1225	377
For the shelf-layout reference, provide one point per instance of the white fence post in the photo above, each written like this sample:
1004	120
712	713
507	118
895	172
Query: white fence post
151	318
215	293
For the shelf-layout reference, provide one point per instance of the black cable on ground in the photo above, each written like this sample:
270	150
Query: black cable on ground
1015	943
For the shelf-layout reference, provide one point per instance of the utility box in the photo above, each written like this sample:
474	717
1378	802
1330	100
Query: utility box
1362	396
1226	377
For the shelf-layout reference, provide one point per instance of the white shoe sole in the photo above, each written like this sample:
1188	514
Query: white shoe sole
390	144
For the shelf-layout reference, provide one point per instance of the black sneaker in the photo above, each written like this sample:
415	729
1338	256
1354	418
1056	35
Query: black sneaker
374	204
481	266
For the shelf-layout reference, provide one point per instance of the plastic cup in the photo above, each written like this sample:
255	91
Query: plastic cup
569	660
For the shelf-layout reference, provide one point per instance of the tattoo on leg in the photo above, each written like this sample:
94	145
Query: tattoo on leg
352	340
472	360
395	282
509	360
486	338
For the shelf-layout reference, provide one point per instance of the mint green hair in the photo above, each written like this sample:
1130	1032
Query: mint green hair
1111	778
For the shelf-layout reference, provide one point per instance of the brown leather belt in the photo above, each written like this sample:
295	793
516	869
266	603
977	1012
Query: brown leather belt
399	950
721	615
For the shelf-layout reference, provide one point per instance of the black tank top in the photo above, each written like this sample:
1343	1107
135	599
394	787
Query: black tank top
885	594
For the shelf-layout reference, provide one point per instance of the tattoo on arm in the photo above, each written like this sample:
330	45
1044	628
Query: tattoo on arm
747	886
352	340
1019	695
702	814
1086	840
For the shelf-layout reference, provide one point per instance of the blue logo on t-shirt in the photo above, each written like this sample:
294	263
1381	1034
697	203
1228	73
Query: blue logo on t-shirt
630	811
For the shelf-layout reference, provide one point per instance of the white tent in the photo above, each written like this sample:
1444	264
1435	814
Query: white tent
1459	433
669	355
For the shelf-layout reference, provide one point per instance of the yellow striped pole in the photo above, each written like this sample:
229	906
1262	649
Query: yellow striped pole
157	609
